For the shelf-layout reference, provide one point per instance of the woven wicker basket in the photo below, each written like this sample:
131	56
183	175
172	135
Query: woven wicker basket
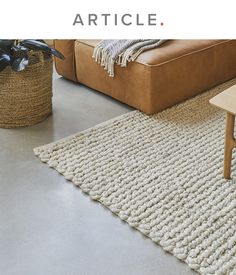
26	97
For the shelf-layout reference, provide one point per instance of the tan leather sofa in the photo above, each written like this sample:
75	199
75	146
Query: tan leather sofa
159	78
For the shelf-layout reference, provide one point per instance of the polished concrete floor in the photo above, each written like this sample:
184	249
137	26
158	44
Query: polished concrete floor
48	226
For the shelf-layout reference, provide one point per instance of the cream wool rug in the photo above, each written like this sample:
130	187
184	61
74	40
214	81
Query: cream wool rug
162	174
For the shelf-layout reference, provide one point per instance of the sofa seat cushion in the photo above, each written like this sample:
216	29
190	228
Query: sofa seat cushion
169	51
161	77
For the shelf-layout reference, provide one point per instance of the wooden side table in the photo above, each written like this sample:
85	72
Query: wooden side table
227	101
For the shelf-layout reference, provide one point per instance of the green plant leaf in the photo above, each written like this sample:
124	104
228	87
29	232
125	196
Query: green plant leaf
41	40
6	42
5	60
36	45
6	45
20	49
40	46
20	63
57	53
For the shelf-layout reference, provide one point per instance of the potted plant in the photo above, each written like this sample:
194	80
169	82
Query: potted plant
25	81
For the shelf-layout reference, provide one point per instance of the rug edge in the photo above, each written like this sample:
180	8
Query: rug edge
36	150
45	146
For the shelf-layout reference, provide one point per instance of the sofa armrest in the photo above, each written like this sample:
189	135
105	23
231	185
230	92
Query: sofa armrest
66	67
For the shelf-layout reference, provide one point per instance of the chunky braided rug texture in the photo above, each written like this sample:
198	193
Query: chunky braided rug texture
162	174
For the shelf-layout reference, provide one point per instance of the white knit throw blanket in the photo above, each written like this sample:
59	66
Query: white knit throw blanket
107	53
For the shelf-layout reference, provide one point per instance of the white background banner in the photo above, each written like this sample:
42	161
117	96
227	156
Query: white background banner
201	19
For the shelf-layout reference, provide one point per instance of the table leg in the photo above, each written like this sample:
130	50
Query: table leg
229	144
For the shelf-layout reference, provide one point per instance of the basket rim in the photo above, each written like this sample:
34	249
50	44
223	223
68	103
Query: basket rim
46	58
